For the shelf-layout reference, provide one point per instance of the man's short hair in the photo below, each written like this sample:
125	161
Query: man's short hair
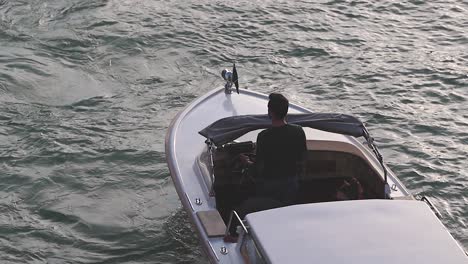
278	104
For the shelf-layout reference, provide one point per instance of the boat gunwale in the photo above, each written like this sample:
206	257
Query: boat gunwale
176	177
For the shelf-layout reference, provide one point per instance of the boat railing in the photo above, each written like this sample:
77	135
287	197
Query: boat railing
431	205
247	241
373	146
235	214
210	146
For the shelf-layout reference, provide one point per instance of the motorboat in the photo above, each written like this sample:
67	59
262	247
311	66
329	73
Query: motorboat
385	224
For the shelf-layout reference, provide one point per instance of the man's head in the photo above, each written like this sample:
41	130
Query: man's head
277	106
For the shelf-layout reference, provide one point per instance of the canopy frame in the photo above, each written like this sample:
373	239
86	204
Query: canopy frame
230	128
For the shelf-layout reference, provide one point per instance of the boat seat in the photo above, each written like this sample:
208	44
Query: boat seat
212	223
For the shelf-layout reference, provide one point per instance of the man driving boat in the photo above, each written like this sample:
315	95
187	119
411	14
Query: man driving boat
280	149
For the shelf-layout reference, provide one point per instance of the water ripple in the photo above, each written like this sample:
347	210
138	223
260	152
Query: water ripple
88	88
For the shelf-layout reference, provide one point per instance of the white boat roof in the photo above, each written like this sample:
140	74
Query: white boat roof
364	231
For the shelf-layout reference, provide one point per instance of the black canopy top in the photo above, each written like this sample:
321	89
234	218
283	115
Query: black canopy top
227	129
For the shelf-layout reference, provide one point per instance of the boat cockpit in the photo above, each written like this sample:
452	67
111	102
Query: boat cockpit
336	166
330	171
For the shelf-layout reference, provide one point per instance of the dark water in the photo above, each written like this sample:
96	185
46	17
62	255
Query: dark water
88	88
